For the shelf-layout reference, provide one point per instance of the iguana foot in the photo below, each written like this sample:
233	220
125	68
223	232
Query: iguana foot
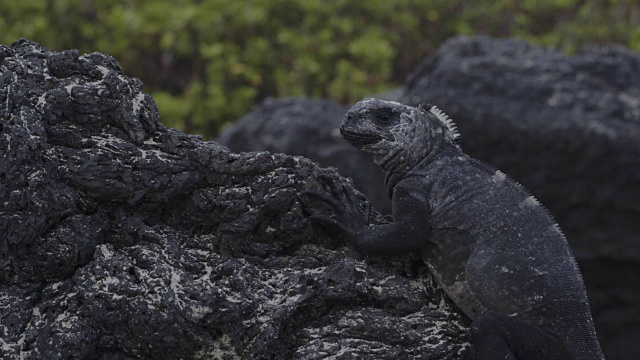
349	215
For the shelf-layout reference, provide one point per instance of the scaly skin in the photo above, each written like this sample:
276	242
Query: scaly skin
492	247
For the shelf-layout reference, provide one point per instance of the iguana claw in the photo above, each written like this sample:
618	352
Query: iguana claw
322	197
349	216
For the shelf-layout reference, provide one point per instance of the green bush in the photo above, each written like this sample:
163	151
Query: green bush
207	62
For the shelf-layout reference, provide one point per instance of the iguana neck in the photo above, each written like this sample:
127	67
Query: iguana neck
441	149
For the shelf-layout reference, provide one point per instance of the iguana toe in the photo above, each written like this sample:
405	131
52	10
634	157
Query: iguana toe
334	203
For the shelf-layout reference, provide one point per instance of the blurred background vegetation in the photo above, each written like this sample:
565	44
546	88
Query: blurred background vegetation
207	62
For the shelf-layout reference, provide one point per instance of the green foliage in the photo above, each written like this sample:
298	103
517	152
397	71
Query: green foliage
206	62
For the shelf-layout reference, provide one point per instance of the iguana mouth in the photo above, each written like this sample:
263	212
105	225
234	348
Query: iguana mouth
359	139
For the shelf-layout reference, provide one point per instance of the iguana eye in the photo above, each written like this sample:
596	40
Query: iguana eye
383	116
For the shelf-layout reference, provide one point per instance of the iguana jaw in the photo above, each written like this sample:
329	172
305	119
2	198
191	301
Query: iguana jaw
359	139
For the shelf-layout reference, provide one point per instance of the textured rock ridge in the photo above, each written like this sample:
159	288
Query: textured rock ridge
309	128
125	239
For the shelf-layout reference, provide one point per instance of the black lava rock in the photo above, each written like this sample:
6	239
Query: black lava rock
124	239
308	128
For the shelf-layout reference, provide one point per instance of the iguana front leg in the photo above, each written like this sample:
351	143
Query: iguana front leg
408	232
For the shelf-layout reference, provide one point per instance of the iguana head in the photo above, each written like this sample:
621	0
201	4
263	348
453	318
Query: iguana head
397	136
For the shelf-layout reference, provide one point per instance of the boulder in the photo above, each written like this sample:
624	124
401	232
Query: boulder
122	238
568	128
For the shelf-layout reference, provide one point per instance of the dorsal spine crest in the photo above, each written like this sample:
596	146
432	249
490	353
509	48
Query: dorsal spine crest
447	121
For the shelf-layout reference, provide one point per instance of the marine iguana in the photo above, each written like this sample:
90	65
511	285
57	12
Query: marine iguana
493	248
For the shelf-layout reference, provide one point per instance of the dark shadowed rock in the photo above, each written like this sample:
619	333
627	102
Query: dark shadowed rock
124	239
308	128
568	128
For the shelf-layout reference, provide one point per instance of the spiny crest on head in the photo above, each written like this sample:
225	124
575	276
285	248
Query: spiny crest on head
444	118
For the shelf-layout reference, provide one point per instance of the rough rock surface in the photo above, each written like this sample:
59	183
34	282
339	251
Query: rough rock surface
125	239
567	127
308	128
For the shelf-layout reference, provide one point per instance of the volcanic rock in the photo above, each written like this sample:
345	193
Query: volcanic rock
309	128
123	239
